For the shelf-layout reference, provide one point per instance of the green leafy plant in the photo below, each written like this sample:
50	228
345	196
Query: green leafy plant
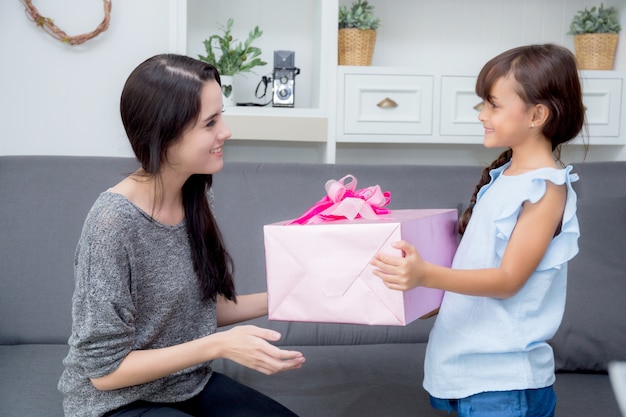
234	58
595	20
360	15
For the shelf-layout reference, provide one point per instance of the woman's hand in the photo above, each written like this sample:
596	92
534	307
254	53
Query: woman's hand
246	345
249	346
401	273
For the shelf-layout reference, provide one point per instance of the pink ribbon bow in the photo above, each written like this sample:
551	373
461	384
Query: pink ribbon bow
344	201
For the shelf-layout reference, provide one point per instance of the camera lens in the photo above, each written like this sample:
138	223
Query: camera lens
284	93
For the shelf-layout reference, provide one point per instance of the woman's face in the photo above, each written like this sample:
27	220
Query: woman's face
199	150
505	116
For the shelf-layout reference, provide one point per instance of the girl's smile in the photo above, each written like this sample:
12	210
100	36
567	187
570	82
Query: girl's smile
217	151
505	116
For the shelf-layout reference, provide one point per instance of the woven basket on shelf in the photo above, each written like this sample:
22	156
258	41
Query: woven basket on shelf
356	46
595	51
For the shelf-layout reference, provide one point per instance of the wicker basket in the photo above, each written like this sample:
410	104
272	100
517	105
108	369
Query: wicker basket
595	51
356	46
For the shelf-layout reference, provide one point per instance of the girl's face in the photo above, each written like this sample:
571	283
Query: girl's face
199	149
505	116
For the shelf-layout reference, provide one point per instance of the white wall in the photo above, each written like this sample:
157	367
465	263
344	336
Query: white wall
61	99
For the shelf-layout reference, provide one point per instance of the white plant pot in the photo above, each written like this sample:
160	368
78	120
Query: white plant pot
228	91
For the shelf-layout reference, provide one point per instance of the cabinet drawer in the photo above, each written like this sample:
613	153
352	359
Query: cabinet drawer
376	104
603	98
459	115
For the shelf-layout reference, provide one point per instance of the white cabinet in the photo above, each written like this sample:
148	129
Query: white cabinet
459	107
604	98
432	109
393	103
455	109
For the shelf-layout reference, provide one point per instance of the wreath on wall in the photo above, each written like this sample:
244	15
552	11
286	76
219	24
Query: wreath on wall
47	24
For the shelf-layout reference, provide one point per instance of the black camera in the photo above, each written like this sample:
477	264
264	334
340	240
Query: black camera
284	79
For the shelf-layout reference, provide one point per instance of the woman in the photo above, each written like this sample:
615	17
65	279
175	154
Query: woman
153	278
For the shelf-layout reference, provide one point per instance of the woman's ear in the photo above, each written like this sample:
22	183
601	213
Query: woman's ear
539	115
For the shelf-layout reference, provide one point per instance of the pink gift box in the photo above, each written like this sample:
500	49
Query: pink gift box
322	272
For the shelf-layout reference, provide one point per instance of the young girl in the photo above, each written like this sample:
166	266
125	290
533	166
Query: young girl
153	279
505	292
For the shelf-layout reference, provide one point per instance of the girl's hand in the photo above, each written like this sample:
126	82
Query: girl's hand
248	346
400	273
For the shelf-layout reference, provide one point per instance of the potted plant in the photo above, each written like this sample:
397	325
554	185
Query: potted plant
596	33
357	33
234	58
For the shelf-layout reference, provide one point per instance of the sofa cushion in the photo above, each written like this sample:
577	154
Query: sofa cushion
30	374
590	335
386	380
362	380
44	202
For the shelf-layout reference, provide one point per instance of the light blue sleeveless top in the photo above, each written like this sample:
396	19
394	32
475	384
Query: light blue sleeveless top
488	344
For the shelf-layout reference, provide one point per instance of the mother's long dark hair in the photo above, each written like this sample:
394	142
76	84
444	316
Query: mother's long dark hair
545	74
160	99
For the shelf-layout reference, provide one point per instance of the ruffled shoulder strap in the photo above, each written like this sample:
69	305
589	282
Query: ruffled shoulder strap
558	177
494	174
564	246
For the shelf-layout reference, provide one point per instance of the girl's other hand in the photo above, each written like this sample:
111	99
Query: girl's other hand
400	273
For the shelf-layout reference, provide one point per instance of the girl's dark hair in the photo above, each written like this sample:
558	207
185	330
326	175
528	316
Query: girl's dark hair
160	99
545	74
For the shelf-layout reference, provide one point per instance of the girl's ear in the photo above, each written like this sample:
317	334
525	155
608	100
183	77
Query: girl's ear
540	115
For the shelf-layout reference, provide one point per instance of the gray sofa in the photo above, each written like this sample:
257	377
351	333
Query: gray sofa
351	370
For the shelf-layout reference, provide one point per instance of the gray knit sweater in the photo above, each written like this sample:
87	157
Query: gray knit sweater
135	289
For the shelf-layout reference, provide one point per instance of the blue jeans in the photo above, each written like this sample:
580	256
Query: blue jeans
222	396
520	403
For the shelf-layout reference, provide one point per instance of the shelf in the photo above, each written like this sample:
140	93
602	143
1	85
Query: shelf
305	27
277	126
440	58
302	27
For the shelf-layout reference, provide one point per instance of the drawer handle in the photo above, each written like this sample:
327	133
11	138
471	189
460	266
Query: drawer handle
479	106
387	103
